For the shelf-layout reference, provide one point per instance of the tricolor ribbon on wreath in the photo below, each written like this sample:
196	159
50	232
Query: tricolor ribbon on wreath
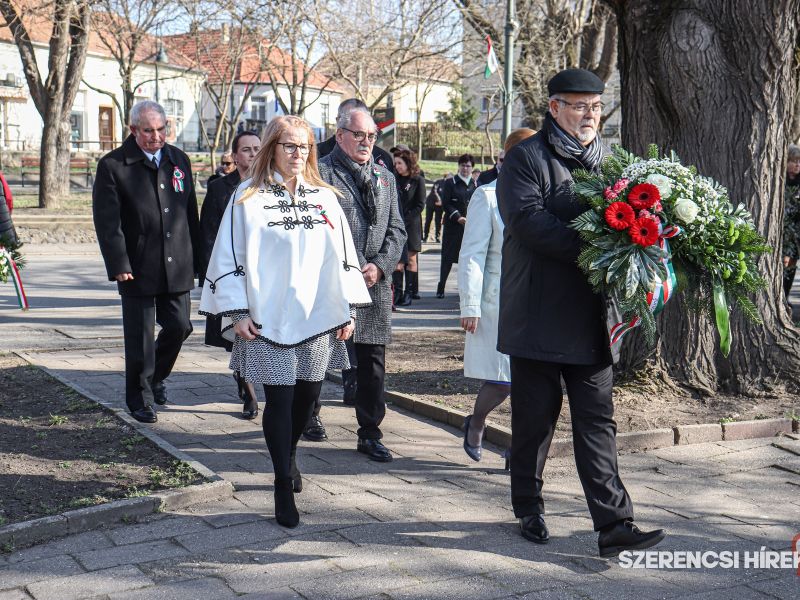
663	290
177	179
13	272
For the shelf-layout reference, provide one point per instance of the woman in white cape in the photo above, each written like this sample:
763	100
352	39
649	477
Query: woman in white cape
479	265
284	276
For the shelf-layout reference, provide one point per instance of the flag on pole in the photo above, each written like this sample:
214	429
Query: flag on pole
491	59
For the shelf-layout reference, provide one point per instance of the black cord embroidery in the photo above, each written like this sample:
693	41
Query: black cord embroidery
237	272
302	191
276	189
345	265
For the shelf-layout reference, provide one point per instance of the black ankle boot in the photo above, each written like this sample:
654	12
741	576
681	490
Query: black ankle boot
285	510
440	290
413	283
405	300
397	286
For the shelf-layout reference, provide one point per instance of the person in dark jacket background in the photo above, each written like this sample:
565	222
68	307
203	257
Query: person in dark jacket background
456	193
411	196
244	148
490	175
145	216
553	325
433	208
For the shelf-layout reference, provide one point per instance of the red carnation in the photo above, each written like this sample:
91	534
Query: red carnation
643	196
619	215
644	231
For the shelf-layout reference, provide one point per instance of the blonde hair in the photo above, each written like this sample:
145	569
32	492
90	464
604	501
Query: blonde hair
516	136
262	170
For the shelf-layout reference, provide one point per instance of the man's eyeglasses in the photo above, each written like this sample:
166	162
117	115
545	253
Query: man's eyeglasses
292	148
360	135
582	107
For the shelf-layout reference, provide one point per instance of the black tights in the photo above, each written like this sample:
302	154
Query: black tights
286	412
490	396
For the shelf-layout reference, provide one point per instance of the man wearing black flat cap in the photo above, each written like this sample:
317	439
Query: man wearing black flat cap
553	325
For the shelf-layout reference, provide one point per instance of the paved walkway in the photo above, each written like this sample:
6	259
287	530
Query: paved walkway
432	524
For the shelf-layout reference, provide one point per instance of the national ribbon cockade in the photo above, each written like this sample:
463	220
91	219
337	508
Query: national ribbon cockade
177	179
9	269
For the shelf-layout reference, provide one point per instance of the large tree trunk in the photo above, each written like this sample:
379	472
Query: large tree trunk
713	81
54	161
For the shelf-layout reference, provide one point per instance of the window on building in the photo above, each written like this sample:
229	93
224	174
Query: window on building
173	108
412	115
325	113
258	108
487	104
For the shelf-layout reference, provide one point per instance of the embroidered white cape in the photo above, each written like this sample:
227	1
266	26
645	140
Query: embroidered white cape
290	263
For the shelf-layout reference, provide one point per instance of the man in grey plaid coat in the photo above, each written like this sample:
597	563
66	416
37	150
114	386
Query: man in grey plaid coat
369	201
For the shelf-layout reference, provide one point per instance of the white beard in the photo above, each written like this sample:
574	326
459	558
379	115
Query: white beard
584	137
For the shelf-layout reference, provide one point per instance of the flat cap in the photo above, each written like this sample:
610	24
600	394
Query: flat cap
571	81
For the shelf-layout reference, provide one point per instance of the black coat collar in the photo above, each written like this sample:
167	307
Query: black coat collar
133	153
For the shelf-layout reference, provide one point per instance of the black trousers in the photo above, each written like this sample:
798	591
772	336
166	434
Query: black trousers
433	213
370	403
149	360
788	280
535	405
287	409
349	376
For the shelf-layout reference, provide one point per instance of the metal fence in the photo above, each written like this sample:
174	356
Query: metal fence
440	142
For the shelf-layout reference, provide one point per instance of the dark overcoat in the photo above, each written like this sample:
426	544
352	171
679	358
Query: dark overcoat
455	199
411	196
145	224
548	310
218	195
487	176
380	244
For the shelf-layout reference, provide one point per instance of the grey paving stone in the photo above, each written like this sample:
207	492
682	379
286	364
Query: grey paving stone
739	591
162	527
194	589
91	540
257	578
355	584
786	586
474	587
24	573
285	593
18	594
389	534
227	537
98	583
129	554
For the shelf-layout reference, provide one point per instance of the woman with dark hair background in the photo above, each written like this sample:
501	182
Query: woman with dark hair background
411	197
244	148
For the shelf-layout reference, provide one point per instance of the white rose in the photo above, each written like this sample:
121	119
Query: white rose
685	210
663	183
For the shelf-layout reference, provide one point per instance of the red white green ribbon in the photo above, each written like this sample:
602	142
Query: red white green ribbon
16	279
177	179
660	295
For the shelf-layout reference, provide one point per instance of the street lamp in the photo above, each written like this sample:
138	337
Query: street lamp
161	57
508	95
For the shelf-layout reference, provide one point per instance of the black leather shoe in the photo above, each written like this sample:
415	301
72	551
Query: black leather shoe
374	449
625	535
315	430
250	412
145	415
534	529
440	291
159	393
415	296
285	510
405	299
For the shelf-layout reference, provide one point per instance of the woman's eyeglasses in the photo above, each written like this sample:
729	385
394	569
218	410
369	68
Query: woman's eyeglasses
292	148
226	163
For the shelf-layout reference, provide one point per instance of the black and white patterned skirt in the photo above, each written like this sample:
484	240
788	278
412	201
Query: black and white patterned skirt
258	361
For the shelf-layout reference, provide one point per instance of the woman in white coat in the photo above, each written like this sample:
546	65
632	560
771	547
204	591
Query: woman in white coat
479	265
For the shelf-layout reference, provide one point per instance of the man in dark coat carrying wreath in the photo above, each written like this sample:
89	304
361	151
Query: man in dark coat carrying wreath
553	325
145	216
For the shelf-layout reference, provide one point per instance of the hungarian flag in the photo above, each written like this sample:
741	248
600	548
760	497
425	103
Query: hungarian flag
491	59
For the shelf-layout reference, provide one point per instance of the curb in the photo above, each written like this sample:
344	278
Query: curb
631	441
80	520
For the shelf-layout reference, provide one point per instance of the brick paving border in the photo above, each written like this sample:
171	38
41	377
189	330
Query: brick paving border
27	533
631	441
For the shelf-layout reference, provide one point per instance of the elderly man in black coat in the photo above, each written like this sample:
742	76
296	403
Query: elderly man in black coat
145	216
553	325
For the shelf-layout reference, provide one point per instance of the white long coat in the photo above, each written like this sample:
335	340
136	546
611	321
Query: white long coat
479	286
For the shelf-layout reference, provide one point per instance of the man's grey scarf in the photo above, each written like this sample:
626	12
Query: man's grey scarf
569	146
363	176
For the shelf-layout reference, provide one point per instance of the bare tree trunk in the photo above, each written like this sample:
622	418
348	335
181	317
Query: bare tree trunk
794	125
713	81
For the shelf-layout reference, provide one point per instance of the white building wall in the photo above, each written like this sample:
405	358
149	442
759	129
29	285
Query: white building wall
25	125
437	101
